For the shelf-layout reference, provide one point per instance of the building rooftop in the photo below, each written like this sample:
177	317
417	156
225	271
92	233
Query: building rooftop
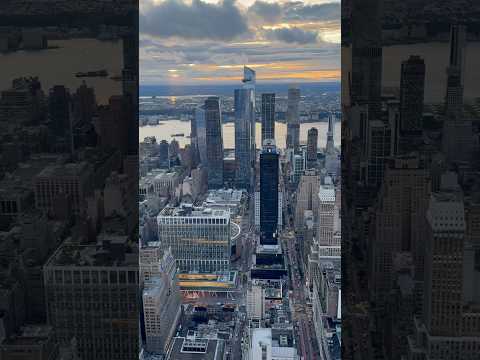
65	170
193	348
30	335
188	210
116	251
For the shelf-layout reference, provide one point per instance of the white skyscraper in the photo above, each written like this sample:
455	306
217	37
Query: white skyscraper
245	130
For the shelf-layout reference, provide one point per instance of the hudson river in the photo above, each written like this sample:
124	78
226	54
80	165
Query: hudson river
166	129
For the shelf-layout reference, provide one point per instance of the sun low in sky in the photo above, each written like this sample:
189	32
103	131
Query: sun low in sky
208	41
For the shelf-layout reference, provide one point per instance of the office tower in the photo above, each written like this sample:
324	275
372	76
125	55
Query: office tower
73	180
379	150
214	142
268	117
84	104
455	71
298	167
412	85
245	130
23	101
448	327
332	155
163	153
59	103
91	293
162	306
312	145
366	77
293	121
194	149
84	107
201	134
198	237
114	122
330	146
399	225
307	197
173	149
269	168
326	214
457	139
201	139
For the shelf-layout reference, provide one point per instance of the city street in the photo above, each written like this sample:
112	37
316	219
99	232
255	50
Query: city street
301	314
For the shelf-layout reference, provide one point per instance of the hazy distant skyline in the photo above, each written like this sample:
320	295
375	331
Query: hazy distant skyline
209	41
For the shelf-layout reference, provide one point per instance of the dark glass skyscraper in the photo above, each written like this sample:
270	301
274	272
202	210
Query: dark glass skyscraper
59	110
268	116
269	167
412	83
214	142
312	141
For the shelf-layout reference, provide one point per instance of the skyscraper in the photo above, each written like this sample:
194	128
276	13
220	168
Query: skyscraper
412	84
330	147
268	117
367	56
59	110
245	130
293	123
457	139
201	140
455	71
198	236
214	142
194	153
161	303
312	141
269	167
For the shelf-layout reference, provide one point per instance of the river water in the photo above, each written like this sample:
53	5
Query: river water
168	128
57	66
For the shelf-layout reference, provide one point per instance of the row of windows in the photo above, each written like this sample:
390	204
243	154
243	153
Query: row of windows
191	221
93	277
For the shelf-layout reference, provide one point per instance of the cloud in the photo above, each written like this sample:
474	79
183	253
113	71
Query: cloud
198	20
267	12
301	12
292	35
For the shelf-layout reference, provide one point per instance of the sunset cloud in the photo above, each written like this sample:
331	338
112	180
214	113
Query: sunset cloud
210	40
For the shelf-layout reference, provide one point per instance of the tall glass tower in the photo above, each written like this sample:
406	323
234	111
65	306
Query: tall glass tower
214	142
245	130
268	117
269	170
293	121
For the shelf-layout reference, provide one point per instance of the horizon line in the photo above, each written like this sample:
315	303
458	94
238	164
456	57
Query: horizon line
235	83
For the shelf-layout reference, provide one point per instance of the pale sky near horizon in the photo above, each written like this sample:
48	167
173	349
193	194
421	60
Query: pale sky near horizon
208	41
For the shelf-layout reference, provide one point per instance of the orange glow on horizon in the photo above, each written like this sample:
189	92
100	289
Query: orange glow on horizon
313	75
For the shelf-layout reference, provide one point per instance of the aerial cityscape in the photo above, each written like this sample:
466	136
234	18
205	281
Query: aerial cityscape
240	187
239	180
68	181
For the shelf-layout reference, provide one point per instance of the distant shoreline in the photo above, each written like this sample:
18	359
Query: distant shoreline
228	89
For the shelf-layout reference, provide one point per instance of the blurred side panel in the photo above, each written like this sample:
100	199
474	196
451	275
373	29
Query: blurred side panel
410	202
68	179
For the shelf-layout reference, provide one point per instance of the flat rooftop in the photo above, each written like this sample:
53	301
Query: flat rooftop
188	210
117	253
65	170
200	349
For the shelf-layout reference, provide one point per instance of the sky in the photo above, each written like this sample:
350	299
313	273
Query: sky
188	42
